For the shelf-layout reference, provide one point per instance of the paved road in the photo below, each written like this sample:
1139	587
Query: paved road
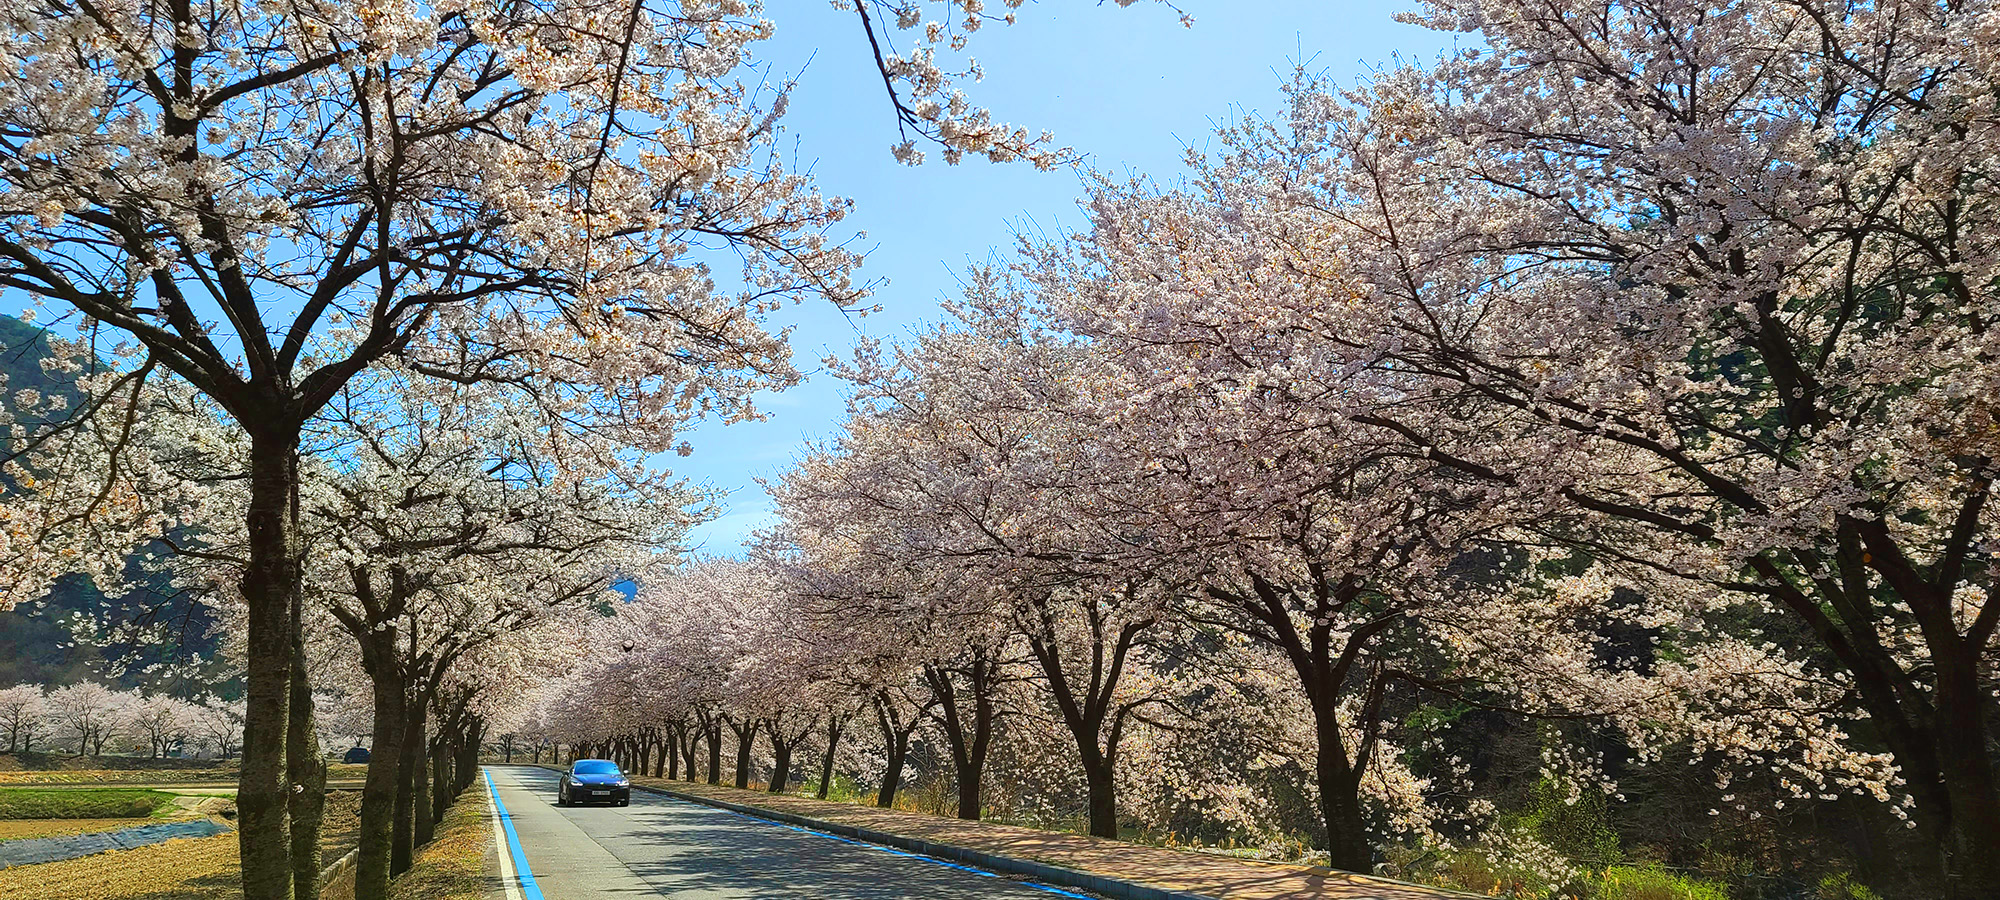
669	848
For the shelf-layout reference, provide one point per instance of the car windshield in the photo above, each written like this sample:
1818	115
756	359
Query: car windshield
596	767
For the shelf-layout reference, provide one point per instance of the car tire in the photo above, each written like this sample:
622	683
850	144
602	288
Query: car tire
562	797
625	802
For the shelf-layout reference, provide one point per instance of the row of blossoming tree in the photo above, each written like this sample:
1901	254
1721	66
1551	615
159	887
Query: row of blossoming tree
1637	368
87	718
369	320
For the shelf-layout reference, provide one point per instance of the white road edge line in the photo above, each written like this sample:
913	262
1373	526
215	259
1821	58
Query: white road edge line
507	876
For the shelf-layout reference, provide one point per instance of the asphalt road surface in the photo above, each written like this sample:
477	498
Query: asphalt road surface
659	847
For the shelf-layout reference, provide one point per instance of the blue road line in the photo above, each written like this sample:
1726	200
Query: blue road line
890	850
529	890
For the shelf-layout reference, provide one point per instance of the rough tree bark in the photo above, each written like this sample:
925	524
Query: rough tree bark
308	776
896	733
403	851
969	733
269	583
715	753
746	739
835	724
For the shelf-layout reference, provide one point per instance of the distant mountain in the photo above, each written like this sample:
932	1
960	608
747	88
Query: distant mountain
36	645
22	349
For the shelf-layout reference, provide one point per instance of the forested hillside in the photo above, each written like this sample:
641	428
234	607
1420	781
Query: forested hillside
37	645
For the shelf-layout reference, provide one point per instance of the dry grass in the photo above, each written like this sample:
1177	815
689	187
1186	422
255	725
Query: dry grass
17	829
35	777
182	869
452	867
138	770
340	830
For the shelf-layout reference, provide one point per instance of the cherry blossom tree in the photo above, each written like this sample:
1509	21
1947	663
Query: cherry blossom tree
23	709
931	624
1702	282
964	454
267	202
164	722
86	715
454	525
220	726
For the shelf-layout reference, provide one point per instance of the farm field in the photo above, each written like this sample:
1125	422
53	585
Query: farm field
181	869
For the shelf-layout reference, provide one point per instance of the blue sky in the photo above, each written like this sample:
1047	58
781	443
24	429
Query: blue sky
1128	87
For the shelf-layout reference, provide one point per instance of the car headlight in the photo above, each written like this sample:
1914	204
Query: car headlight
623	782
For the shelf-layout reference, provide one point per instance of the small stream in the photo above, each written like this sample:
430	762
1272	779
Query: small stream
29	851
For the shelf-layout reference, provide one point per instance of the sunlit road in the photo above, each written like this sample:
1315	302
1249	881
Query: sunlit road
668	848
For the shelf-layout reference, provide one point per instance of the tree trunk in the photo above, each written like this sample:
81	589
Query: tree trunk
1347	845
1339	781
969	740
833	729
969	807
1086	704
404	849
781	763
746	738
308	776
468	757
444	758
893	777
715	754
269	582
895	737
423	827
378	793
1103	800
1971	851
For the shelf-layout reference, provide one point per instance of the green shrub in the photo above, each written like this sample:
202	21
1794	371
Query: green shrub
1654	883
1478	871
1844	887
843	790
1579	830
24	803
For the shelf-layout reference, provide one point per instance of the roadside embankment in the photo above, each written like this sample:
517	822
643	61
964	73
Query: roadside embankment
453	866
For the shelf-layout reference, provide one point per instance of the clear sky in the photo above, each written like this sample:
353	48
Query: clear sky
1128	87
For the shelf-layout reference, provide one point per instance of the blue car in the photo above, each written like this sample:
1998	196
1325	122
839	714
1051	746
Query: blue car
594	781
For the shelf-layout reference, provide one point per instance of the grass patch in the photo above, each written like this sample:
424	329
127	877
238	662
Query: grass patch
111	770
452	867
1654	883
64	762
21	803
